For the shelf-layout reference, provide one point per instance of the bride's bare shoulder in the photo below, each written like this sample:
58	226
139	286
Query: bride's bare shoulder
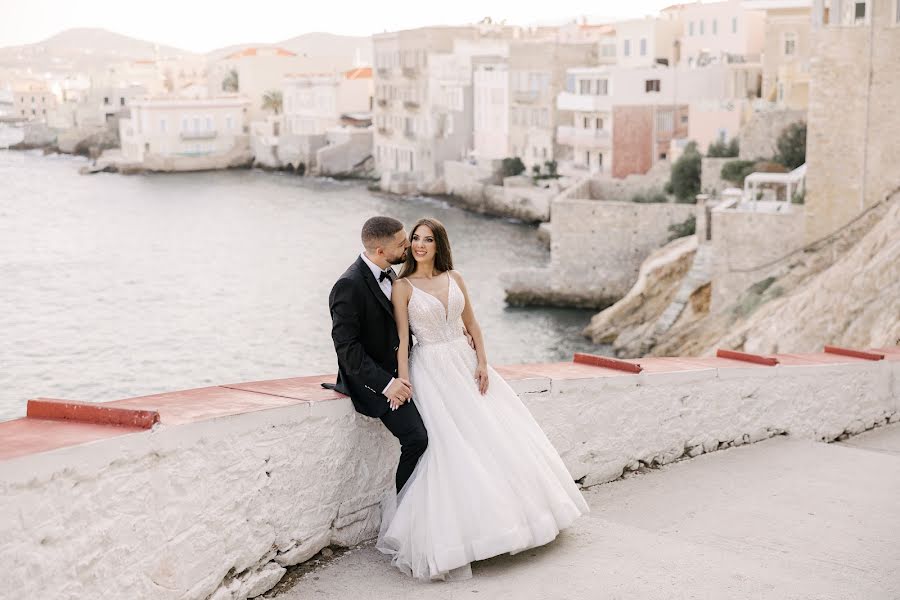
458	277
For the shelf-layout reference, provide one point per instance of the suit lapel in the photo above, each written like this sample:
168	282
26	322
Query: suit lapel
372	283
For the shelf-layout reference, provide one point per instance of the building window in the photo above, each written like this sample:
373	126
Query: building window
32	99
651	85
121	101
662	156
859	12
229	123
43	100
587	122
715	26
733	24
702	23
897	12
598	123
790	44
691	28
162	125
584	86
105	100
626	48
643	46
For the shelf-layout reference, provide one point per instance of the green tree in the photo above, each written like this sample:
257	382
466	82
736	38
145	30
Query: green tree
734	171
271	100
231	83
722	150
791	145
512	166
685	178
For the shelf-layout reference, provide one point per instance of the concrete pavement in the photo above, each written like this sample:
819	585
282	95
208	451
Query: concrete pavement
778	519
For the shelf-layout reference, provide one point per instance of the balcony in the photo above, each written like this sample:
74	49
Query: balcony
410	72
385	131
207	134
410	135
410	104
567	135
583	102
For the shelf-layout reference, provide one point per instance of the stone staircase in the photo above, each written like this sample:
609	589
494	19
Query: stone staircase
699	275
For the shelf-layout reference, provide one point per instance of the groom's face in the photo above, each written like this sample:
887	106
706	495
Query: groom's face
395	250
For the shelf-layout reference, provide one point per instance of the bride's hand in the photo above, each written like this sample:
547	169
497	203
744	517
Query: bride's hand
481	378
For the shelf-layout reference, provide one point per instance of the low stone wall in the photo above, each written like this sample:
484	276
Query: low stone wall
471	187
596	252
345	153
239	156
239	481
624	189
747	245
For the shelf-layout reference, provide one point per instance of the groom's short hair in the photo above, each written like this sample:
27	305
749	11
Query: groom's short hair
378	229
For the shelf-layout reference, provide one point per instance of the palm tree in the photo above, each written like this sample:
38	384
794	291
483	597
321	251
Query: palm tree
271	100
231	82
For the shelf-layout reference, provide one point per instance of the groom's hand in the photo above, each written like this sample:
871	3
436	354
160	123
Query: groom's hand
398	392
469	337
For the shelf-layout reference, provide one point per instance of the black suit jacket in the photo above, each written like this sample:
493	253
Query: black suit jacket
365	339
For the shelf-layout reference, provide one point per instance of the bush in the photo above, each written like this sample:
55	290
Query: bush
685	180
680	230
791	145
650	197
734	171
536	170
511	167
723	150
798	197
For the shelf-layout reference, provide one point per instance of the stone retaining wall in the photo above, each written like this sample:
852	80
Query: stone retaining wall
238	482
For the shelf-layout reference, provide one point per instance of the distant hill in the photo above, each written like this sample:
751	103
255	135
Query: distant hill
83	48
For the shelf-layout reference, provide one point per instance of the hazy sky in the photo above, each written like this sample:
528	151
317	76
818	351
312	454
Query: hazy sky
200	25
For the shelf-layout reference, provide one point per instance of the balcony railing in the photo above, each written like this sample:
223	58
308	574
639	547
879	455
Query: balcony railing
576	136
207	134
411	104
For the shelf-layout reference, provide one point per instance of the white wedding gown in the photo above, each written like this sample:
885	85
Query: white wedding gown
489	482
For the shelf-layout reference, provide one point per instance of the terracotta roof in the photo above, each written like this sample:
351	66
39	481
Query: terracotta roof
360	73
255	51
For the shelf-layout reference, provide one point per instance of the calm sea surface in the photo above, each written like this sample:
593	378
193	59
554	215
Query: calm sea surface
114	286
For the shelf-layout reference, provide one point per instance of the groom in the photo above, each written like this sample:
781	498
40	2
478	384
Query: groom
366	340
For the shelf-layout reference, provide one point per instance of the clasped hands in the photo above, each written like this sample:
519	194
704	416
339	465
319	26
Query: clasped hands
398	392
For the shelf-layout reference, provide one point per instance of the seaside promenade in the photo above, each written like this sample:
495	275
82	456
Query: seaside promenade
783	518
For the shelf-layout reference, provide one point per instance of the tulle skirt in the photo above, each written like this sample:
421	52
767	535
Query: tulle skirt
489	483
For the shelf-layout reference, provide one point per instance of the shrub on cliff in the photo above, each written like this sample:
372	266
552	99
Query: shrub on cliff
791	145
734	171
683	229
510	167
685	180
722	150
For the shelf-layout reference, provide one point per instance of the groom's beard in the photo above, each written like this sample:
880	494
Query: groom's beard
399	260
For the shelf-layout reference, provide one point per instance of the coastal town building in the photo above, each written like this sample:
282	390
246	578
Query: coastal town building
254	72
851	151
172	127
314	103
33	100
410	141
624	120
648	41
787	51
721	32
490	85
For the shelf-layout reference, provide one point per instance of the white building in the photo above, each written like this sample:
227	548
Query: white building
33	100
721	32
490	88
314	103
649	41
258	71
183	127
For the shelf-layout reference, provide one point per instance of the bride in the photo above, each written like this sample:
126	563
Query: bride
490	482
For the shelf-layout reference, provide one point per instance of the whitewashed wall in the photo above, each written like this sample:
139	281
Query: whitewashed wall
217	509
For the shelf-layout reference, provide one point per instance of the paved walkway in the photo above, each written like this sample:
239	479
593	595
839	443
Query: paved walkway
778	519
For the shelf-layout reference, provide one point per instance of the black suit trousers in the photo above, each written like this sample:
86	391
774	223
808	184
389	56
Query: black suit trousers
406	425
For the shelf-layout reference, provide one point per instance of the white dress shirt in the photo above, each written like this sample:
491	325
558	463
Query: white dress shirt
385	285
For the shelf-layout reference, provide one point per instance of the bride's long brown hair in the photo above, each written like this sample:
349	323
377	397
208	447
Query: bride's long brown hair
443	257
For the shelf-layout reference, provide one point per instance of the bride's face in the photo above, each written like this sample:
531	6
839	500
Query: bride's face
423	245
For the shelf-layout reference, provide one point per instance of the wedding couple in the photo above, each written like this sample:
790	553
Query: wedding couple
477	477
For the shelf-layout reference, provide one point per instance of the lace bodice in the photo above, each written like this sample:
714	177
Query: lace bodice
430	322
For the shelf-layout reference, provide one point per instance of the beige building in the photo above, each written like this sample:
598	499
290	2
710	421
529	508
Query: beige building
411	141
33	100
259	70
853	124
314	103
786	54
537	71
171	127
648	41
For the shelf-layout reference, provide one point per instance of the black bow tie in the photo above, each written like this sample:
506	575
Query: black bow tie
389	275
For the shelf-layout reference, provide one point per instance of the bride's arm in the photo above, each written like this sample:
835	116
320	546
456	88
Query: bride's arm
400	293
474	329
